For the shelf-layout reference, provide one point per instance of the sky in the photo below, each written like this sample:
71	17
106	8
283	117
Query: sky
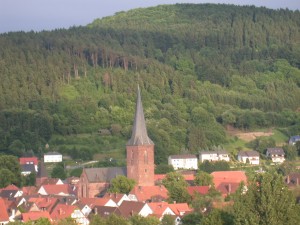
38	15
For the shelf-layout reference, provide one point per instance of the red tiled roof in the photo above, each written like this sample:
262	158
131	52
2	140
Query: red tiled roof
29	190
116	197
228	181
180	208
28	160
35	215
11	187
203	190
3	209
62	211
44	202
144	193
158	208
53	189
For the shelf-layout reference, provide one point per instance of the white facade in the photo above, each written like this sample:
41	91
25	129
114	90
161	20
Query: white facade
213	156
183	162
276	155
251	157
53	157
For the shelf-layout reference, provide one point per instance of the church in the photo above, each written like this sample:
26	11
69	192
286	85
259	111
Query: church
140	161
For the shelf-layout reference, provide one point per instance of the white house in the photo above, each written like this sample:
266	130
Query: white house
187	161
276	154
52	157
251	157
213	156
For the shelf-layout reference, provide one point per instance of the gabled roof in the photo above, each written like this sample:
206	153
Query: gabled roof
92	202
35	215
28	160
228	181
44	202
248	154
150	193
183	156
95	175
159	208
130	208
52	153
139	131
203	190
116	197
29	190
180	208
3	215
275	151
62	211
56	189
53	181
11	187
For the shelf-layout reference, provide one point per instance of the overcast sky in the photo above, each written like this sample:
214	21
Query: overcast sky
37	15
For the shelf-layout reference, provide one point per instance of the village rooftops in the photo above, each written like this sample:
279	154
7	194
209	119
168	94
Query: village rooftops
184	156
104	174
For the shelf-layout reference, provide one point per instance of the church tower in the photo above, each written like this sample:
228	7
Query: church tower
140	149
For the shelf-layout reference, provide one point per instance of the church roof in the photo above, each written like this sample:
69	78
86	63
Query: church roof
104	174
139	132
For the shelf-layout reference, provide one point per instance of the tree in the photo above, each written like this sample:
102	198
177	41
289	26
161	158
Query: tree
267	201
176	186
10	171
97	220
66	221
121	184
163	169
113	219
167	220
7	178
203	179
59	171
140	220
194	218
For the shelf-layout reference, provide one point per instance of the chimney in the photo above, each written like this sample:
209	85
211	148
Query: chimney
288	179
297	181
229	188
96	211
60	211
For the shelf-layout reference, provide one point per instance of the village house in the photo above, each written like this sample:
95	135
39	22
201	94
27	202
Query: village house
130	208
213	156
184	161
160	209
276	155
148	193
29	161
227	182
52	157
4	217
250	157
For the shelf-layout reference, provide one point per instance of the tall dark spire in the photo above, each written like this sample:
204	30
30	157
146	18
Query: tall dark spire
139	132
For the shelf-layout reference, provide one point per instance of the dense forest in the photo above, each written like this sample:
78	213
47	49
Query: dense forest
201	68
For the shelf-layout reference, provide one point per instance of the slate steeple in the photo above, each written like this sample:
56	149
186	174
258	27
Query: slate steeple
139	131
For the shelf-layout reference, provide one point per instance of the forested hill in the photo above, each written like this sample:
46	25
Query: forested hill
200	67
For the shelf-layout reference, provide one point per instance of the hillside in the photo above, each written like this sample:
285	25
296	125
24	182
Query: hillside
200	68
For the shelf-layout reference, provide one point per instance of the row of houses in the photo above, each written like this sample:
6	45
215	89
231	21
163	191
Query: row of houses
55	200
190	161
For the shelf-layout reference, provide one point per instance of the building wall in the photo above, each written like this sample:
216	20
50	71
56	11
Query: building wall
89	190
188	163
52	158
140	164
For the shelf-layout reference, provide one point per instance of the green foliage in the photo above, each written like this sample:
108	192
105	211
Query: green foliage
66	221
192	219
210	167
121	184
194	76
168	220
163	169
267	201
140	220
261	144
10	171
59	171
290	152
29	180
176	186
203	179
